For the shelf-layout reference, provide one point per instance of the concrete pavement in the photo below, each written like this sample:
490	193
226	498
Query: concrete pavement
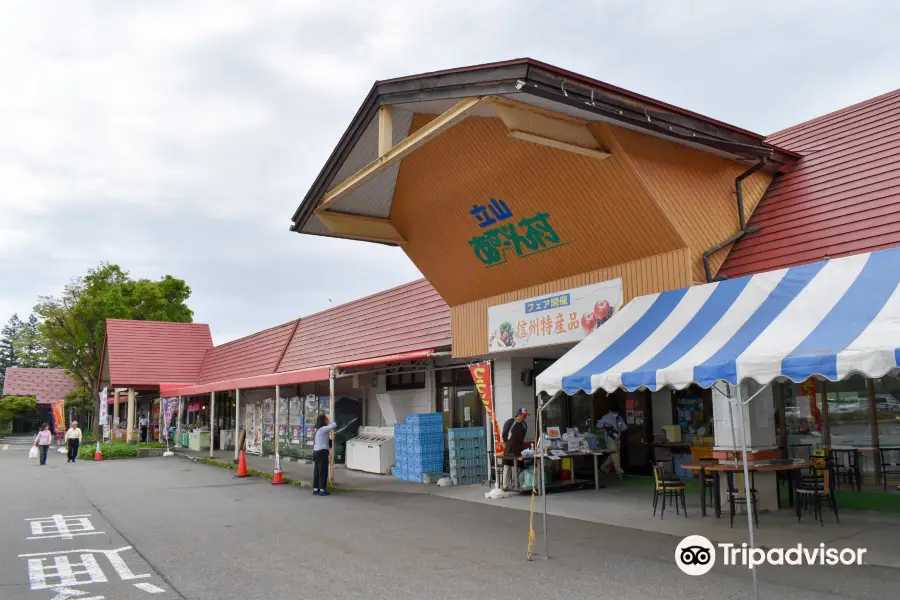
626	507
201	534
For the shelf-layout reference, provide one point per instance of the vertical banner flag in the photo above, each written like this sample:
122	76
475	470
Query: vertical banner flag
481	374
59	417
170	405
104	407
809	388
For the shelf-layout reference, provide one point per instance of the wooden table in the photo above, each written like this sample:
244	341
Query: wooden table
789	466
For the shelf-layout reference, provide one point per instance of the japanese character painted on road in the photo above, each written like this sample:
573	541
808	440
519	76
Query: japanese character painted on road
64	527
59	572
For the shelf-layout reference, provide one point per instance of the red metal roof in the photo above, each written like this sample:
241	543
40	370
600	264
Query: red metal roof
404	319
147	353
256	354
44	384
257	381
842	197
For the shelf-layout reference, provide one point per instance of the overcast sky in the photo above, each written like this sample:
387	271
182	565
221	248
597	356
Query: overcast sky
179	137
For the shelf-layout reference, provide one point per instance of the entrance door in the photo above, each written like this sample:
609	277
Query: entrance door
635	449
458	401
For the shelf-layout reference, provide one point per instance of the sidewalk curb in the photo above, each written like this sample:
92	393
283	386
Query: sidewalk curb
256	473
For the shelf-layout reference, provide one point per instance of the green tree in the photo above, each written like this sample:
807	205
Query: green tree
73	325
13	406
29	347
8	336
79	401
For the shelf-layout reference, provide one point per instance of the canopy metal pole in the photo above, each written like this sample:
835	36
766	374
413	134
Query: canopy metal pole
747	485
543	483
731	422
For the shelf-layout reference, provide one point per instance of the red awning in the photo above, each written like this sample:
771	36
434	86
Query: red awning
259	381
392	358
166	387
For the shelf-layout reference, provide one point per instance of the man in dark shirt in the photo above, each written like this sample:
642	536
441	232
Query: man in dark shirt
513	435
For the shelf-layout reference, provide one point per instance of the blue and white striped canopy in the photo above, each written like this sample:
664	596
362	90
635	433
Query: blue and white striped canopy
828	319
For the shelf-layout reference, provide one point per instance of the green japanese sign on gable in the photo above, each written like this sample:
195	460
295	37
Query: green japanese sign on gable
529	236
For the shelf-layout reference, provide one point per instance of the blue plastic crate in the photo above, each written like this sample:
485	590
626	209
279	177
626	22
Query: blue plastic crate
425	417
465	432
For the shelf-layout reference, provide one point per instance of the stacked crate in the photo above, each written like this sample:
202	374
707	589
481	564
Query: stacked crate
419	446
468	455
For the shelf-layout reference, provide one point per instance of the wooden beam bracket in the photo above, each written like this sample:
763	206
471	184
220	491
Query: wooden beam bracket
418	139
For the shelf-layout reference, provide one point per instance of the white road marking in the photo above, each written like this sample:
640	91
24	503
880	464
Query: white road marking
61	526
149	587
63	573
62	569
64	593
6	446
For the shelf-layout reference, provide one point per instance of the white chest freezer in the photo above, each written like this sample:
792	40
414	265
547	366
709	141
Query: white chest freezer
372	450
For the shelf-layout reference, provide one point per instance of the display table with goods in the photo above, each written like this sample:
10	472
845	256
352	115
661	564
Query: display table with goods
561	452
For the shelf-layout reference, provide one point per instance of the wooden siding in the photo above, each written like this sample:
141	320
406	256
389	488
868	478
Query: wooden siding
696	190
668	271
599	208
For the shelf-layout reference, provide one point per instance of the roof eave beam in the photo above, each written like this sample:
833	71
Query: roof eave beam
558	145
418	139
358	227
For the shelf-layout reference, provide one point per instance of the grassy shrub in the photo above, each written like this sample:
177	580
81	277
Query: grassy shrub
115	450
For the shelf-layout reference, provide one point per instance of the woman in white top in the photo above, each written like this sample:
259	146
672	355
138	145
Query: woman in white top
320	455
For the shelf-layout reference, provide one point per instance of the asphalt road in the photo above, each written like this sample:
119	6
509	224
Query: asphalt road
198	533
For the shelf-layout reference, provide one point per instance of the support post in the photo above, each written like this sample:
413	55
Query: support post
178	424
129	428
331	416
115	419
778	390
212	423
237	422
162	420
277	407
826	421
385	130
747	495
542	477
873	426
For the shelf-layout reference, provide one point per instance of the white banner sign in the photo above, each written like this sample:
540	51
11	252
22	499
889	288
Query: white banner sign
559	318
104	406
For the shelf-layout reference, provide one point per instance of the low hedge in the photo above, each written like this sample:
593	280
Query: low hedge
115	450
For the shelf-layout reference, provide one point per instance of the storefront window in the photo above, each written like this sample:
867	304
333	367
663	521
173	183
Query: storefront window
887	411
849	419
405	381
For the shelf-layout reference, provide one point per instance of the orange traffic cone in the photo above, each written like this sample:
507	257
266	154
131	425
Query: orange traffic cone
242	466
278	478
98	455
